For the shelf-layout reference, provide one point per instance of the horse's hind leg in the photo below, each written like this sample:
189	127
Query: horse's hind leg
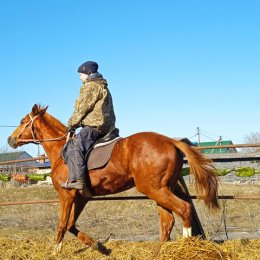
166	199
166	223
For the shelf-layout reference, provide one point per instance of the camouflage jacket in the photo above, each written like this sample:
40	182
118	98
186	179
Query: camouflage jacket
94	107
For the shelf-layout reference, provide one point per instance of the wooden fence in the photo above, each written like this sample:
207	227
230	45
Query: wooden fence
110	198
225	197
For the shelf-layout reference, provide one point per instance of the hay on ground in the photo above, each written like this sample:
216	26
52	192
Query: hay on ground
183	248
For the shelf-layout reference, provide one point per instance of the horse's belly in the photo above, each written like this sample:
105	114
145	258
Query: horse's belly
112	184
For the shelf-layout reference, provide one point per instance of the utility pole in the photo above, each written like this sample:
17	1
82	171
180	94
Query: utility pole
38	150
198	134
220	139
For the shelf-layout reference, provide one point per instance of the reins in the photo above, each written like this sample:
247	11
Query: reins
35	140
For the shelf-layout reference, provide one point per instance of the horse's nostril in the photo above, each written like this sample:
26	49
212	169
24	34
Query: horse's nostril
9	140
12	142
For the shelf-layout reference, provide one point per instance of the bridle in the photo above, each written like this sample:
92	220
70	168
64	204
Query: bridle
35	140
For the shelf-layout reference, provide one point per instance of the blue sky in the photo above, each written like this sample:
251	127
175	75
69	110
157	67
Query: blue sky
171	65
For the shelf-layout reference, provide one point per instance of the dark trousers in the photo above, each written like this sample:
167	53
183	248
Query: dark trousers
76	151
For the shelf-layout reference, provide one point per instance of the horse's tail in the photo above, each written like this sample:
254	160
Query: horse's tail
204	172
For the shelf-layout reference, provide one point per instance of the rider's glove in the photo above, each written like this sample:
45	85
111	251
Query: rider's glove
71	129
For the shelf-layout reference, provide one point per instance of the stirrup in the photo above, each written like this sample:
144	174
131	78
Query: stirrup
65	184
78	185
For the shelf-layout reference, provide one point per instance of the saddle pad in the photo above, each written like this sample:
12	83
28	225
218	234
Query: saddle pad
100	156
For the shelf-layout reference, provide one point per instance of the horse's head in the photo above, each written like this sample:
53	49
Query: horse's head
25	132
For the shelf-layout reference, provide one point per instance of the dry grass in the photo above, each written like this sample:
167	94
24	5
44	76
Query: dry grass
28	231
183	248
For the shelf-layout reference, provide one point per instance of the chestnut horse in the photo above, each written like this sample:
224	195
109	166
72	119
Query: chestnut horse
149	161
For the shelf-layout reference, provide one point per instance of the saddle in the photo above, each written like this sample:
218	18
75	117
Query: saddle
99	154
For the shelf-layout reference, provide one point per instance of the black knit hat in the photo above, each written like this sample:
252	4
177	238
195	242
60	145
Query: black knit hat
88	67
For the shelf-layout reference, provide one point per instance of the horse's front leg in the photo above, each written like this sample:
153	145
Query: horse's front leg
76	210
77	207
66	203
166	223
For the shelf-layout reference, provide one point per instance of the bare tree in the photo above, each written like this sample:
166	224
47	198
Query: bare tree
253	138
5	149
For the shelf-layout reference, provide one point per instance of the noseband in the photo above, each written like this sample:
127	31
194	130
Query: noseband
35	140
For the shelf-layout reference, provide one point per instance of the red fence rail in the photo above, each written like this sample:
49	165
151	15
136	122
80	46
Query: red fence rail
196	147
222	197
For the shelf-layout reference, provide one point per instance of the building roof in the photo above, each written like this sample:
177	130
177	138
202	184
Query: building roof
232	157
12	156
235	156
217	150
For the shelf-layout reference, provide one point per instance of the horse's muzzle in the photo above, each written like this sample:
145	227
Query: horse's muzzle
12	142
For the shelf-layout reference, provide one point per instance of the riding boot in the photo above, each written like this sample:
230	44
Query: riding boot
77	175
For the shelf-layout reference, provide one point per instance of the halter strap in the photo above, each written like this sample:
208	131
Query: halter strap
34	140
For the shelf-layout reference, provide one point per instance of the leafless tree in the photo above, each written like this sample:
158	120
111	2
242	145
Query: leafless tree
6	151
253	138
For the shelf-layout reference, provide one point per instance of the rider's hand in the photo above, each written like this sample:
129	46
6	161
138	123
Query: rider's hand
71	129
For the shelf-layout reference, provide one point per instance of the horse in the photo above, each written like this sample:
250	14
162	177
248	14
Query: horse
149	161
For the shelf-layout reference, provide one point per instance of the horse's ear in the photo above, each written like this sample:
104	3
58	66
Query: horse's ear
43	110
35	110
39	110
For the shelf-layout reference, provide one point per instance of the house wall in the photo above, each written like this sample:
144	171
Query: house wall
43	171
231	177
234	161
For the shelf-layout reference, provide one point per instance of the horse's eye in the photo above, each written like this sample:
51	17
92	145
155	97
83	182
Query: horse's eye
22	121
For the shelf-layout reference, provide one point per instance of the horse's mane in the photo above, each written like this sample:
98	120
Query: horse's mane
56	124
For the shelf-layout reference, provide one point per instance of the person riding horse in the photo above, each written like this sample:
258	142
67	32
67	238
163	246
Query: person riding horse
149	161
93	112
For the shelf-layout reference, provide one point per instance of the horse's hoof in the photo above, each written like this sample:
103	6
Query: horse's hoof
187	232
101	248
57	248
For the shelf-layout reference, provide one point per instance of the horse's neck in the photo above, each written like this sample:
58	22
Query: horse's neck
51	128
53	150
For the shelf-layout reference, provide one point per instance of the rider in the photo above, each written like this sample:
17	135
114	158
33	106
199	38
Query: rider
93	112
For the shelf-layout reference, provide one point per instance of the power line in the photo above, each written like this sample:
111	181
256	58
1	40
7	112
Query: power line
200	133
208	133
213	139
8	125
